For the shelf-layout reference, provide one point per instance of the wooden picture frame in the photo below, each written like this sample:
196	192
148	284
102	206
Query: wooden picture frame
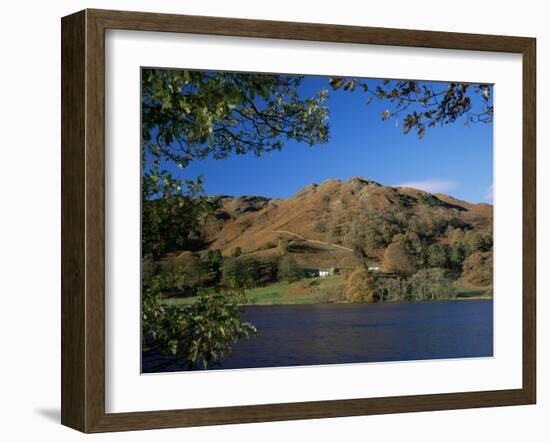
83	218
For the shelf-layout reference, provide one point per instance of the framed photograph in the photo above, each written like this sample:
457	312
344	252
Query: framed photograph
268	221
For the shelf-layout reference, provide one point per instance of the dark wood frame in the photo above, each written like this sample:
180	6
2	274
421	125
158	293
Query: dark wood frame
83	216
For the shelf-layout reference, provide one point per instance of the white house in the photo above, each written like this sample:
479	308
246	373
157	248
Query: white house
324	273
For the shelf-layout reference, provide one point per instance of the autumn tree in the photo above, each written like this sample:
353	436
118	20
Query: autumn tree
360	285
397	259
478	269
380	232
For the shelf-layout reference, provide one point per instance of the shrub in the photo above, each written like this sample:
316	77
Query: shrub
283	246
268	245
236	252
321	226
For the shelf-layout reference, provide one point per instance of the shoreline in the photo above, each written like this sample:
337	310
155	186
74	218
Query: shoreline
424	301
324	292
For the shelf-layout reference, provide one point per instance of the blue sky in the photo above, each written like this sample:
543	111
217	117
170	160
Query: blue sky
453	159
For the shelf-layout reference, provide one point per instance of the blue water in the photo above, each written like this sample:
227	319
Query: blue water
291	335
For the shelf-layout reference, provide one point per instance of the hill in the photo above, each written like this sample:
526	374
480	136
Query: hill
322	225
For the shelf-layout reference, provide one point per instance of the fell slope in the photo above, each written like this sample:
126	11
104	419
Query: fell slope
321	223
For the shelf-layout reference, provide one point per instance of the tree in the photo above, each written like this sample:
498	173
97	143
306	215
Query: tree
182	276
413	242
423	254
360	285
380	232
172	214
360	253
457	256
240	273
398	260
253	270
478	269
149	268
196	335
391	289
289	269
421	105
188	115
474	242
438	255
213	261
431	284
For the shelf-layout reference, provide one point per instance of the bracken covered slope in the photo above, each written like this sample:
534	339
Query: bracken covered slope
323	223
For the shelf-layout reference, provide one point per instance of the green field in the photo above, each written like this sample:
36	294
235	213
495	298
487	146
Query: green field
308	291
305	291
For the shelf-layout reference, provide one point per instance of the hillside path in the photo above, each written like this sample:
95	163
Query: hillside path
316	241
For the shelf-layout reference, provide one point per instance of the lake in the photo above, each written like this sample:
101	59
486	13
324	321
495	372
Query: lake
291	335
